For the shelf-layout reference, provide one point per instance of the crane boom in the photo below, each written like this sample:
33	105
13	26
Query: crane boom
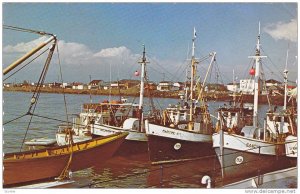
27	55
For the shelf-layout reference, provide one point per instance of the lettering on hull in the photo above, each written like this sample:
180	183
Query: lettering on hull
170	132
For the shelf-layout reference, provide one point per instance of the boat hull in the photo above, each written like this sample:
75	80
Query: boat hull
135	143
252	164
167	145
20	169
291	149
105	130
243	157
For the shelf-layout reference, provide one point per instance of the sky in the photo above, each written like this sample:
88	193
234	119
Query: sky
104	40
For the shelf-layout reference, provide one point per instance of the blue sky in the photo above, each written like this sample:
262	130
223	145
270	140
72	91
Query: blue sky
97	37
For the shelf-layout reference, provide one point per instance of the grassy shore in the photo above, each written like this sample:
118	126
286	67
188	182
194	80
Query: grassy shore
213	96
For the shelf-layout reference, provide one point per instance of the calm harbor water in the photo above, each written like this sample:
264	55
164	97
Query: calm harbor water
118	172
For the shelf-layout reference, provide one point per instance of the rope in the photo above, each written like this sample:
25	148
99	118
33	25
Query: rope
25	65
61	76
64	174
36	94
69	135
8	27
15	119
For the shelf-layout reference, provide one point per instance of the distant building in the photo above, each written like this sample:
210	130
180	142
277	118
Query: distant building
64	85
165	86
77	86
95	84
233	87
118	85
105	85
272	82
129	83
55	85
7	85
215	88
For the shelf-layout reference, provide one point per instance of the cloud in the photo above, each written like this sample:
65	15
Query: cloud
79	61
24	47
283	31
113	52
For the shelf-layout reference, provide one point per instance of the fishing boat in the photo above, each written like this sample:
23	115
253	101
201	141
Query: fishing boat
136	141
285	122
186	129
94	115
253	149
28	166
237	114
107	118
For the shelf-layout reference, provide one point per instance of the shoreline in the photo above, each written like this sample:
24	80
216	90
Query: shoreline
212	96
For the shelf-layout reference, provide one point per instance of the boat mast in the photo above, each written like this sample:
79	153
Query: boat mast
234	88
285	75
257	83
143	63
193	72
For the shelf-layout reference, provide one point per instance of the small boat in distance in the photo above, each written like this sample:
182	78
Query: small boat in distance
29	166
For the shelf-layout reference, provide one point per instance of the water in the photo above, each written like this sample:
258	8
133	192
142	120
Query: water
118	172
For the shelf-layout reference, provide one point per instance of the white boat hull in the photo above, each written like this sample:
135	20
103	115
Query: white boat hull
157	130
244	156
105	130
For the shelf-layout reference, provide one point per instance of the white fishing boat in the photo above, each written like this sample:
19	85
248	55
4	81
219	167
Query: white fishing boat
94	115
136	141
107	118
186	129
253	149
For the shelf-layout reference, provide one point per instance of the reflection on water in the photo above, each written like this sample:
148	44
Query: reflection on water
137	172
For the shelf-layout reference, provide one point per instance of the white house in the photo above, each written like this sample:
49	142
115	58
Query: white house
64	85
77	86
7	85
232	87
165	86
247	86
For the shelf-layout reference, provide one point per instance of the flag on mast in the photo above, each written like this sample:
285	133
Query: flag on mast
195	35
